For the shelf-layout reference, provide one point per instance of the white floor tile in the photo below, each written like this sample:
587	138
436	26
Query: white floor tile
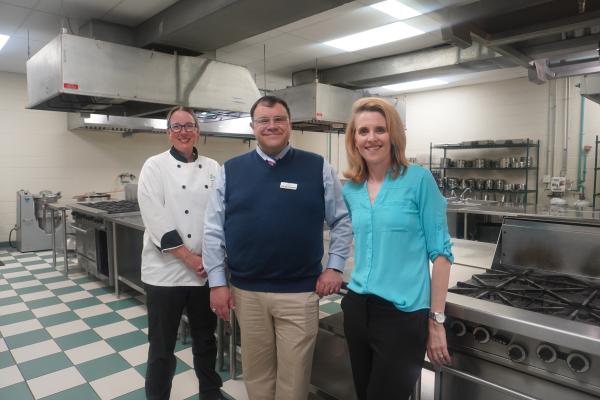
3	282
65	298
47	275
50	310
29	259
55	382
60	284
118	384
25	284
89	352
3	346
186	356
92	311
92	285
16	274
115	329
13	308
44	253
20	327
185	385
42	294
133	312
36	350
6	258
67	328
37	266
236	389
110	297
7	293
136	355
10	376
145	330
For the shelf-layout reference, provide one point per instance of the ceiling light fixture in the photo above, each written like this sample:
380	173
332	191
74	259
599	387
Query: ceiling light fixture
396	9
420	84
3	40
375	37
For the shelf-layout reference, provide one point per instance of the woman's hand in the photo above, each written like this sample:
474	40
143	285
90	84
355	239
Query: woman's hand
191	260
437	348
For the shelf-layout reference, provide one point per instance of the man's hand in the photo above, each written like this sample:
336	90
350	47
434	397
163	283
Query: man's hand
221	301
329	282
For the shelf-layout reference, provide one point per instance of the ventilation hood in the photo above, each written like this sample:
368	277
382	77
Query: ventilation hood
590	87
77	74
318	107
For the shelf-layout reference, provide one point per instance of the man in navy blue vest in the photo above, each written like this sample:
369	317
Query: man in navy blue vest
267	214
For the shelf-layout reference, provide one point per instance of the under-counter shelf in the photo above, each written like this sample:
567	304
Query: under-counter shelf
488	168
460	146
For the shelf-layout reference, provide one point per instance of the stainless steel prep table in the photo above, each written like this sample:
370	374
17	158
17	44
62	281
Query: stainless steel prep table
62	210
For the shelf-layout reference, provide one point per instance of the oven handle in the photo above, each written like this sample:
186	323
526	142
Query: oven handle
78	229
489	384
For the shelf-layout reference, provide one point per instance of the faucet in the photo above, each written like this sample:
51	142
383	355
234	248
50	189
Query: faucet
452	194
462	195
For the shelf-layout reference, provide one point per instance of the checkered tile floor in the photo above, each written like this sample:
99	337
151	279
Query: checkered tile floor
72	338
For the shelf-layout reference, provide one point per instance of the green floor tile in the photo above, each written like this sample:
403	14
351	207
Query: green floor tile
90	301
10	300
31	289
5	271
49	301
53	279
6	359
125	303
127	341
56	319
330	308
103	366
140	322
18	391
33	262
66	290
180	346
141	369
16	317
103	319
81	392
84	279
77	339
181	366
139	394
20	278
44	365
101	290
27	338
4	287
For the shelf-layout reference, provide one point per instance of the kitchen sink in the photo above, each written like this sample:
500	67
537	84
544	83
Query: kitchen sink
472	203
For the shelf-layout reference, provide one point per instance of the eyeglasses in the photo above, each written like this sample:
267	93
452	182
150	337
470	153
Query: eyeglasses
188	127
277	120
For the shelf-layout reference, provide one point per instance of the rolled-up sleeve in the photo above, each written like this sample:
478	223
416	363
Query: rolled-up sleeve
213	245
432	210
157	219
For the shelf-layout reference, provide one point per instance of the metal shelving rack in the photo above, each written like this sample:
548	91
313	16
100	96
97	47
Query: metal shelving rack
532	148
596	194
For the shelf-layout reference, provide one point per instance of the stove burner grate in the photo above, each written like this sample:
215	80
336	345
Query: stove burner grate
115	207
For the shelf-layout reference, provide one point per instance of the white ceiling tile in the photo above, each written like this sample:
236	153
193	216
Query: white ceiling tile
14	54
41	26
402	46
263	37
134	12
324	16
11	18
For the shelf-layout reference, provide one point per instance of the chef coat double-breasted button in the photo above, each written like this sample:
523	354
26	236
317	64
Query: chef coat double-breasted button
178	165
189	236
183	186
187	211
199	165
206	186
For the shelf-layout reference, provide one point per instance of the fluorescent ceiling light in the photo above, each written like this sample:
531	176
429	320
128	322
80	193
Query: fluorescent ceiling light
396	9
375	37
424	83
3	40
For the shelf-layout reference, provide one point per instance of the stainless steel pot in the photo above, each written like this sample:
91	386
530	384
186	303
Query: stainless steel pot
480	184
480	163
445	162
460	164
499	184
453	183
505	162
489	184
469	183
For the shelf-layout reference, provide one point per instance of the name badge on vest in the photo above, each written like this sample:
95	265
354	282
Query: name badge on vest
288	185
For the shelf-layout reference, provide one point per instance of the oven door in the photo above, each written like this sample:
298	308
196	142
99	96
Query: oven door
472	378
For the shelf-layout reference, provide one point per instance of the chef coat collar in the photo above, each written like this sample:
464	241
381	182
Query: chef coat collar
177	155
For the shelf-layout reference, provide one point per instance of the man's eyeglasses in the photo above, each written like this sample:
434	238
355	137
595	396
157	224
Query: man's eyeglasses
189	127
277	120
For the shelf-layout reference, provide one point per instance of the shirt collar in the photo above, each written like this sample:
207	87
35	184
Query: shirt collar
279	156
177	155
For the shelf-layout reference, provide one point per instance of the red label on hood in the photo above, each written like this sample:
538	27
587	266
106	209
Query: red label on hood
71	86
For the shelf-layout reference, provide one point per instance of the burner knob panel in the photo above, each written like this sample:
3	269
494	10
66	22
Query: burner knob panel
458	328
546	353
482	335
517	353
578	362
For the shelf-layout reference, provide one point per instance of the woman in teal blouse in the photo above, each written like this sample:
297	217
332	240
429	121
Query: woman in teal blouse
393	311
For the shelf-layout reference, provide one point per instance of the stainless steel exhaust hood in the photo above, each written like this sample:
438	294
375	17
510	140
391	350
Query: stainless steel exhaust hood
590	87
77	74
318	107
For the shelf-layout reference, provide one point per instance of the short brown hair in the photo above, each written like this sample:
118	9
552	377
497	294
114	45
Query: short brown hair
184	109
357	168
270	101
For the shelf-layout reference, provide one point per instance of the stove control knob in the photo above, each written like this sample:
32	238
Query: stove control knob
482	335
517	353
578	362
458	328
546	353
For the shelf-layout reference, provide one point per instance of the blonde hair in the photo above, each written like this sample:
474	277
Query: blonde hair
357	168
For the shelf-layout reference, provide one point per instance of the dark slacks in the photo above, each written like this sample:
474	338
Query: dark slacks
387	346
165	307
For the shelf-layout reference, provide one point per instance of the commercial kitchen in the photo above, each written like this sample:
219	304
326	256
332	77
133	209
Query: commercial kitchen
500	102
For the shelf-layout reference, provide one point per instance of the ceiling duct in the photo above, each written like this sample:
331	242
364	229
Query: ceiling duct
318	107
77	74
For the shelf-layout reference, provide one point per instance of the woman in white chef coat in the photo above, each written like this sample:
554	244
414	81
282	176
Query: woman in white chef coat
172	193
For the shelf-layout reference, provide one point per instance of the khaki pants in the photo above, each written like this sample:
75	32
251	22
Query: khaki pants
278	333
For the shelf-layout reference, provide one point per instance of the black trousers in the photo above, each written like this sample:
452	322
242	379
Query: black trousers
165	306
387	346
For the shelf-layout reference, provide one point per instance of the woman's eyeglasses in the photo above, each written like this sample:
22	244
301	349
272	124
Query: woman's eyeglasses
189	127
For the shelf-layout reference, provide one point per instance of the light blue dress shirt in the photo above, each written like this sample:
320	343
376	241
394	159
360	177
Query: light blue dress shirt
336	217
397	236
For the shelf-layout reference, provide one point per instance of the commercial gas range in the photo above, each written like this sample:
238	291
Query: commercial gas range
528	327
93	238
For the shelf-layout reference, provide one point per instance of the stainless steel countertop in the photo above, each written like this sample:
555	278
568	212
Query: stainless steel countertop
529	210
131	220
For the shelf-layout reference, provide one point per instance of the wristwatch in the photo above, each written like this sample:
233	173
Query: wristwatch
437	316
